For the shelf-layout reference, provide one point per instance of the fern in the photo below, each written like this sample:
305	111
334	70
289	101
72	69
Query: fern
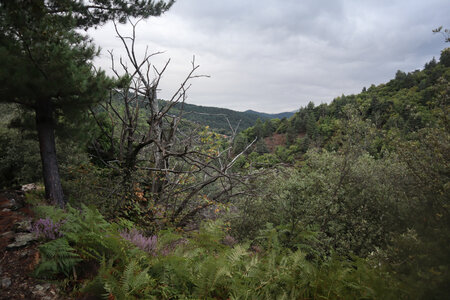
236	254
116	281
134	282
212	275
93	237
57	257
201	267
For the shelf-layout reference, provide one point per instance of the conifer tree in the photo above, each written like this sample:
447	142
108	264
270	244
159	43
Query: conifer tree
46	64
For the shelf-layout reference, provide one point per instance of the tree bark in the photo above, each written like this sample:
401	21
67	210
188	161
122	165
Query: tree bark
46	134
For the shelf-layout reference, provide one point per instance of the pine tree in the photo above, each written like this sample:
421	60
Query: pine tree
46	65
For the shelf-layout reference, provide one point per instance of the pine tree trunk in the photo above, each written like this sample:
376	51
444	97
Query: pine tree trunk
46	133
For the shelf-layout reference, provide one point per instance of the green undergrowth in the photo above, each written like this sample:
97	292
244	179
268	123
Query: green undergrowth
96	261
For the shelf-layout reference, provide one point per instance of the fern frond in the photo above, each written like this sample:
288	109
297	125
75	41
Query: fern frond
235	255
57	257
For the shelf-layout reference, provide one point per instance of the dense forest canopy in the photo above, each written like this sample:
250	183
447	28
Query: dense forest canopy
346	200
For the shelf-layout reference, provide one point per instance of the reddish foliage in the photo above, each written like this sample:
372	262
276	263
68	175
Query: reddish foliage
277	139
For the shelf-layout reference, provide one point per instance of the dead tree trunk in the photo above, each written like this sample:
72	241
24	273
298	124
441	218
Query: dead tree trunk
157	126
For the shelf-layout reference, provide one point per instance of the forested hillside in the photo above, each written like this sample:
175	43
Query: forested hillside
346	200
271	116
408	103
370	172
216	118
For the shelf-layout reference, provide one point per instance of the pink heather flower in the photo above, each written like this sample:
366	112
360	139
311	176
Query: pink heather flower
47	229
147	244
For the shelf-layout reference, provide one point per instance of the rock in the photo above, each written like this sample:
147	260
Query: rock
42	291
22	239
23	226
6	209
29	187
6	282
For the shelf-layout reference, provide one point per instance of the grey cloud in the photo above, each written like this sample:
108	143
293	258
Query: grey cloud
273	55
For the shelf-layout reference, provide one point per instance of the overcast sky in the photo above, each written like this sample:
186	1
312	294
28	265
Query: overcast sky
274	56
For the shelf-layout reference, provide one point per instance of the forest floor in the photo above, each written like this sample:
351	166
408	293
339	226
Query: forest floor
19	252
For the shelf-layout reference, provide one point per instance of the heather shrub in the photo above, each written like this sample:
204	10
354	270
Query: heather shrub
147	244
46	228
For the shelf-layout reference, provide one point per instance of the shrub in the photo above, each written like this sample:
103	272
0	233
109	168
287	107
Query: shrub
47	229
147	244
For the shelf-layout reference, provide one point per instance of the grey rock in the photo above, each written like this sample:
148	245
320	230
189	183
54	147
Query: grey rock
22	239
42	287
29	187
23	226
6	209
42	290
6	282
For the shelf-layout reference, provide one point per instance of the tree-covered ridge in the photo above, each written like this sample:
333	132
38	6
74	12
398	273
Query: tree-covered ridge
409	102
272	116
220	119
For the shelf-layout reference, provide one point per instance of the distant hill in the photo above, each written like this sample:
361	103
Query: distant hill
272	116
216	118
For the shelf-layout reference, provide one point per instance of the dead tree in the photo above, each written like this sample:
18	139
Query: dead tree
179	171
